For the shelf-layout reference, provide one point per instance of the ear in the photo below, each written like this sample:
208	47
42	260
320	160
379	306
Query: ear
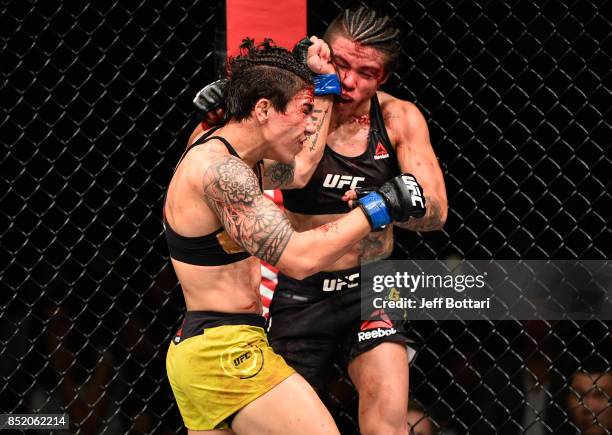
384	78
262	109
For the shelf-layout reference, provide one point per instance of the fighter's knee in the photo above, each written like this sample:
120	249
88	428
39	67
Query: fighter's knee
383	428
383	416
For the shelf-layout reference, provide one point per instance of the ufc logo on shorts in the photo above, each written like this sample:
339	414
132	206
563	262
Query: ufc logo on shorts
350	281
242	358
413	187
341	181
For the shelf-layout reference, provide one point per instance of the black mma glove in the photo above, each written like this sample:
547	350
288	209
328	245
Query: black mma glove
300	51
212	96
324	84
398	200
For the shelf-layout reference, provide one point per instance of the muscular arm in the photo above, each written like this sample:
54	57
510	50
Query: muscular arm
416	156
255	223
279	175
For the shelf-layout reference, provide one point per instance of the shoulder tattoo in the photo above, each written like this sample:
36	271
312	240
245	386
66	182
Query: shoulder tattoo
253	221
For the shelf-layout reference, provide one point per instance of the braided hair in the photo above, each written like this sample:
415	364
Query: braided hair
368	28
263	71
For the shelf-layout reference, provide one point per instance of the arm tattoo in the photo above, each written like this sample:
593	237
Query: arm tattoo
315	137
430	222
254	222
376	246
279	174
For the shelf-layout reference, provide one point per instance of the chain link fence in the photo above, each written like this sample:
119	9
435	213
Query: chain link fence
96	109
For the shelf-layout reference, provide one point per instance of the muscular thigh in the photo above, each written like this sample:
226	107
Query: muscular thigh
381	373
292	407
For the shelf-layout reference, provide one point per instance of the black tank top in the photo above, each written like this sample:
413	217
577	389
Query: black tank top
336	174
215	249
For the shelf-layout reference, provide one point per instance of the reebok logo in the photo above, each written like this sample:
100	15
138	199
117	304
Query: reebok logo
381	152
378	319
338	181
179	333
350	281
375	333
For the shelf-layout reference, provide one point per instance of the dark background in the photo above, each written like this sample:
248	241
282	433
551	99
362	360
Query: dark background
96	109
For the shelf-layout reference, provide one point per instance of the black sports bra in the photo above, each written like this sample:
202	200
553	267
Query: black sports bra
335	173
214	249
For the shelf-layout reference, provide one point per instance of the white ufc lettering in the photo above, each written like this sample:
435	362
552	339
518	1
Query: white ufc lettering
330	285
341	181
413	187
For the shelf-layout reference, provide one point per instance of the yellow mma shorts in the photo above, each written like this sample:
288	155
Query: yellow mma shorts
218	363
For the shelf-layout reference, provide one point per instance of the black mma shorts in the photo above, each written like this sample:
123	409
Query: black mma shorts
314	321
